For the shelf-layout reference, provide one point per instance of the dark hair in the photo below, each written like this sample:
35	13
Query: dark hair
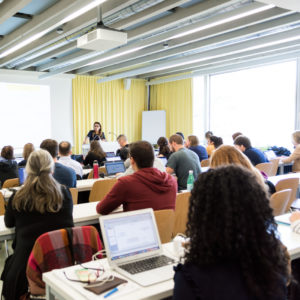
217	141
51	146
230	220
194	141
143	154
242	140
7	152
208	134
122	136
100	134
181	134
96	148
163	144
176	138
64	148
235	135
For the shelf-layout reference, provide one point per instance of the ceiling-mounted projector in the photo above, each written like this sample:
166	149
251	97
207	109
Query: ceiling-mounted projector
102	39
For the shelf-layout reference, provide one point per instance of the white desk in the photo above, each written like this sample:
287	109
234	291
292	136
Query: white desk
87	184
58	287
275	179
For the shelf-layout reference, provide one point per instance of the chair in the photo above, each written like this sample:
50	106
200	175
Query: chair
2	206
165	223
52	251
265	167
205	163
8	183
275	165
100	170
74	193
279	201
181	212
288	183
101	188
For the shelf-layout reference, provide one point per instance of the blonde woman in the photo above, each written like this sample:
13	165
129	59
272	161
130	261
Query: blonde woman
41	205
295	156
229	155
27	149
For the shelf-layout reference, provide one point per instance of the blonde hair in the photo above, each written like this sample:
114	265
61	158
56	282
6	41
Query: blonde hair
296	137
229	155
41	192
194	141
27	149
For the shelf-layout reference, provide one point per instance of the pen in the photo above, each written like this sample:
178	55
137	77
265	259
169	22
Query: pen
110	292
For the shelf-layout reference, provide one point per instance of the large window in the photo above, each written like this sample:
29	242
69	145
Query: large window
258	102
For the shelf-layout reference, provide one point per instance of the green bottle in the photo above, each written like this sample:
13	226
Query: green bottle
190	181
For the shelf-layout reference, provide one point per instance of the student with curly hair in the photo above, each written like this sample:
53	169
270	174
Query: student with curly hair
234	251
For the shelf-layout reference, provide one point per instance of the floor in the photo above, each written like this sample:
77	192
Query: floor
3	258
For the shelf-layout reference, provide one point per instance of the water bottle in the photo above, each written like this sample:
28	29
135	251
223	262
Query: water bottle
190	181
95	169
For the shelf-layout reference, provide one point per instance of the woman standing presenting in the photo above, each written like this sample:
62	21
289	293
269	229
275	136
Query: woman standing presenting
95	135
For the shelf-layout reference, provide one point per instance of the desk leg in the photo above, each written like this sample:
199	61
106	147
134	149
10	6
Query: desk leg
281	169
49	295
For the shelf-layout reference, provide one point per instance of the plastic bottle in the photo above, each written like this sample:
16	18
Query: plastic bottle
190	181
95	169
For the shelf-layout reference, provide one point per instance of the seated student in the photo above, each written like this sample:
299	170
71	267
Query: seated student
64	150
235	135
146	188
229	155
64	175
123	151
193	144
8	166
96	153
234	252
255	155
209	148
295	156
182	161
164	149
27	149
41	205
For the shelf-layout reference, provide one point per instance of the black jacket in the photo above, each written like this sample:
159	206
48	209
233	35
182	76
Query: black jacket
8	170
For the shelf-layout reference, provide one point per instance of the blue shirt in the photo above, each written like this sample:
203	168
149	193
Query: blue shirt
65	175
200	151
255	156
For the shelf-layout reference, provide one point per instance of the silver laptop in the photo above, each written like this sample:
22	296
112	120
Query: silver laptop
133	247
112	168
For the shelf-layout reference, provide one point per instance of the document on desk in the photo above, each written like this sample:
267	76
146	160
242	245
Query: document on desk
123	289
283	219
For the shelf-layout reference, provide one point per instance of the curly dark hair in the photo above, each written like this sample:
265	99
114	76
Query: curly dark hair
163	144
230	220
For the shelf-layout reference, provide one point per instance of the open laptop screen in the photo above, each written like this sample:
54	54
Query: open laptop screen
113	168
22	175
130	235
110	154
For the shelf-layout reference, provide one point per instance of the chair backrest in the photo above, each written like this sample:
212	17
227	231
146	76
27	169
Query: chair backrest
8	183
100	170
165	223
288	183
279	201
181	212
275	164
2	207
74	193
265	167
101	188
205	163
52	251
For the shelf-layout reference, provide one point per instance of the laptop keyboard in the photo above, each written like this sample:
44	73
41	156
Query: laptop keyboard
147	264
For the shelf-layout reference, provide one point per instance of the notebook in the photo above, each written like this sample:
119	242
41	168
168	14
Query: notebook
112	168
133	247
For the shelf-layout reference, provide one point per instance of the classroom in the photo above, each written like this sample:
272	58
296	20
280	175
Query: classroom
150	149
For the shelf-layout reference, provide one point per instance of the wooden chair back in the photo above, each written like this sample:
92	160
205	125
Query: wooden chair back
275	164
165	223
288	183
2	206
100	170
101	188
74	193
205	163
265	167
8	183
181	212
279	201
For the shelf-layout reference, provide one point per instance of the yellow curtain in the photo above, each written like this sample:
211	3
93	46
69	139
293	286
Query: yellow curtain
177	100
118	110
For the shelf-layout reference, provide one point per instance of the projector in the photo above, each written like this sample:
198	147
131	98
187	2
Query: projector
102	39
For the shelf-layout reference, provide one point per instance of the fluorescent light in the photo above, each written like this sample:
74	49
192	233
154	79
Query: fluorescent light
42	33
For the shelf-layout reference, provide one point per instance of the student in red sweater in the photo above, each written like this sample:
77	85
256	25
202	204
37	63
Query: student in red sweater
146	188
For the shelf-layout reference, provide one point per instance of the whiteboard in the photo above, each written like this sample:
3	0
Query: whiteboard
153	125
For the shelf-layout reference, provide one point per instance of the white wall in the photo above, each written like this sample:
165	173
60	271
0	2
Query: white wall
60	97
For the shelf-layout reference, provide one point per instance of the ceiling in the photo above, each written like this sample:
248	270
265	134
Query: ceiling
164	36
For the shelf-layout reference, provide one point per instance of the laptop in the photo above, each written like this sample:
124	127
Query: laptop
112	168
133	247
22	175
113	158
110	154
